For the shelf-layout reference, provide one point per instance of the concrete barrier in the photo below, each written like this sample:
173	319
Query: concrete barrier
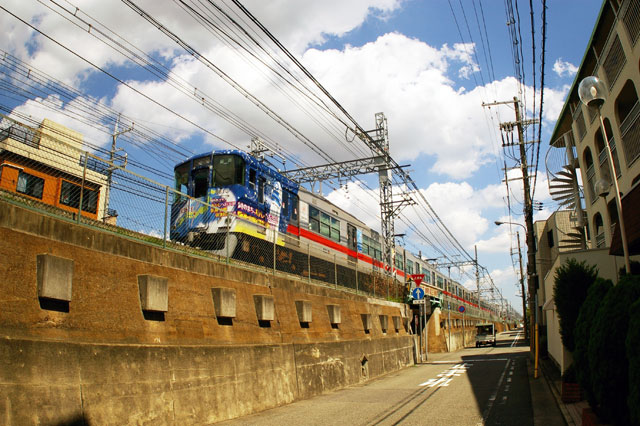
207	358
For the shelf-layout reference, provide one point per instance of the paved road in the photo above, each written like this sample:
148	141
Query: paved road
473	386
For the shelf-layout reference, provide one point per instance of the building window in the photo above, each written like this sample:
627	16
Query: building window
550	238
324	224
30	185
70	196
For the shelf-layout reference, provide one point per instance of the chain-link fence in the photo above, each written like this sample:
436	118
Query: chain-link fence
46	169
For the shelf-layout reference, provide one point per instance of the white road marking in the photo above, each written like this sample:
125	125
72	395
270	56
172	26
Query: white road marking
446	376
515	339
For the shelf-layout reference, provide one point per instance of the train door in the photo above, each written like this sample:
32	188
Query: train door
352	242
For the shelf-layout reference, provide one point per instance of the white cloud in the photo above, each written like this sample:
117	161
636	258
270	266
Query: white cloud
564	69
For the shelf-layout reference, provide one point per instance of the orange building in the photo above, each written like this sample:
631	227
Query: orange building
48	165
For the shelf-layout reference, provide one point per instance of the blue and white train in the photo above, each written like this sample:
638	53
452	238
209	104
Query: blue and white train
235	205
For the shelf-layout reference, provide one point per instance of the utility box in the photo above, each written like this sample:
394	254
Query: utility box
154	293
303	307
54	276
224	302
265	309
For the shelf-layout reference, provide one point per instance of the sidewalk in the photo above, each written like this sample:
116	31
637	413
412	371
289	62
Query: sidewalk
549	373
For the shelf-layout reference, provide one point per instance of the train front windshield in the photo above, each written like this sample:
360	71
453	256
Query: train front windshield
228	169
196	178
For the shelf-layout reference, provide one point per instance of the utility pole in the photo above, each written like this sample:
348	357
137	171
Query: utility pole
112	158
477	275
532	276
524	295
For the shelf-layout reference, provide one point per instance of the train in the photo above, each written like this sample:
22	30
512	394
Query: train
233	204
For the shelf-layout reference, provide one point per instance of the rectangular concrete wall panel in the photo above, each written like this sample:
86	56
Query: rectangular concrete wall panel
265	309
224	301
303	308
54	277
154	293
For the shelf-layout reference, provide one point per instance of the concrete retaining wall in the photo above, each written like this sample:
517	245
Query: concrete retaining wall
138	340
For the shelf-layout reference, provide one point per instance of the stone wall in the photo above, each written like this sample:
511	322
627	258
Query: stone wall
128	332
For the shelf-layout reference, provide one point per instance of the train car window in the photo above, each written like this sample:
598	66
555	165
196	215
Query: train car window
181	174
314	219
285	202
228	169
409	267
252	178
30	185
294	208
324	224
440	282
70	197
335	229
200	179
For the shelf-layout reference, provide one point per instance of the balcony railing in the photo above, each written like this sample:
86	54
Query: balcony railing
21	134
632	20
630	131
578	117
600	240
591	183
614	61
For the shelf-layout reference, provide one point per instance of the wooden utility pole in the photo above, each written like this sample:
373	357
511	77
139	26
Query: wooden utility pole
532	276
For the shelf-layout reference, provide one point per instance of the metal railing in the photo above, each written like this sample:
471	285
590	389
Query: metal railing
591	184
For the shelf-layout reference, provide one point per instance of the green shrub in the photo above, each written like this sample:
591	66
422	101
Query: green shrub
633	355
584	328
571	284
635	269
569	375
607	350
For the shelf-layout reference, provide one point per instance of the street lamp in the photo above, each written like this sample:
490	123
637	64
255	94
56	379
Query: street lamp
524	297
592	92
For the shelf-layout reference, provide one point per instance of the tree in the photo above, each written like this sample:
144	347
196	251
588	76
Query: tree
607	350
571	284
584	324
633	355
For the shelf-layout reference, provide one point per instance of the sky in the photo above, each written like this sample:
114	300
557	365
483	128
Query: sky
429	65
